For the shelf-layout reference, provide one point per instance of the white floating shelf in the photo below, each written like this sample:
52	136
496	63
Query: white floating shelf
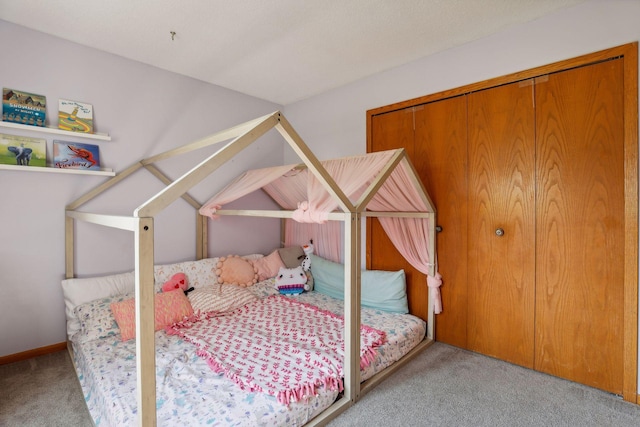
56	131
102	172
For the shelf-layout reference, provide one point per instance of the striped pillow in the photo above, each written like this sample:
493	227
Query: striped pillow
219	299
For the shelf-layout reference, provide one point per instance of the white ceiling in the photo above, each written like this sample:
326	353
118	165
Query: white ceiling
278	50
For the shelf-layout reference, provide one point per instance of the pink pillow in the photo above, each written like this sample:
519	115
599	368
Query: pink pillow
234	270
268	266
170	307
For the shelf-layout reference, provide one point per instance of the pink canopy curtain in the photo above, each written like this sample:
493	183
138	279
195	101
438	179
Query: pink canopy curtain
408	235
289	189
351	174
246	183
327	238
287	185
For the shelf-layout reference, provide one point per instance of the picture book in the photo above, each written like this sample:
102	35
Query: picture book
75	116
23	107
23	151
74	155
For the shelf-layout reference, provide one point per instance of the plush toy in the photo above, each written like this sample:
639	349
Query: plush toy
291	281
177	281
306	261
306	265
291	256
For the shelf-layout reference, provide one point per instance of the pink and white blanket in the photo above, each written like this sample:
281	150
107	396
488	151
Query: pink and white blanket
279	346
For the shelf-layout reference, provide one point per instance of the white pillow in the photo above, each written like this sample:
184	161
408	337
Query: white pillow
96	318
199	273
80	291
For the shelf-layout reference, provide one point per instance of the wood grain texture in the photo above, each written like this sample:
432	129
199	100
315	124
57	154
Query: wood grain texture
441	163
580	225
628	53
501	195
565	64
389	131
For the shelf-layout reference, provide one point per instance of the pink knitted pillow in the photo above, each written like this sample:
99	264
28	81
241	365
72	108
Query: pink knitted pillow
235	270
170	307
268	266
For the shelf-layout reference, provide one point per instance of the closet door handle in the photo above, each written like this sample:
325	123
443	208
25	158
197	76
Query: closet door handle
438	229
499	232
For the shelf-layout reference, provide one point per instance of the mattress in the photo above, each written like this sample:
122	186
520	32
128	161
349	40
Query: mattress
189	393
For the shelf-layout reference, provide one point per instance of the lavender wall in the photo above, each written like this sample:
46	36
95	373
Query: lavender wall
333	123
146	111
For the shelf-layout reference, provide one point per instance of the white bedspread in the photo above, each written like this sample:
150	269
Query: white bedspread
189	393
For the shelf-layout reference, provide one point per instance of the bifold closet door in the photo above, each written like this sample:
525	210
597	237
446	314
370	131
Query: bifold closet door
501	222
441	162
390	131
580	225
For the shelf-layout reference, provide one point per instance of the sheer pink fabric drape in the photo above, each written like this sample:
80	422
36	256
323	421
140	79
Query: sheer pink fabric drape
409	235
246	183
289	189
351	174
327	238
302	192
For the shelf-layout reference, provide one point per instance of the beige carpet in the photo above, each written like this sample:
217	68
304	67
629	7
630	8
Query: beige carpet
442	386
447	386
42	392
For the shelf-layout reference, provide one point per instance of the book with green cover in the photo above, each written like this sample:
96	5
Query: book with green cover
23	151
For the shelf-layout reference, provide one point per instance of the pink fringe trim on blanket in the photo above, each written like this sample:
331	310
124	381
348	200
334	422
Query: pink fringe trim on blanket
369	354
302	392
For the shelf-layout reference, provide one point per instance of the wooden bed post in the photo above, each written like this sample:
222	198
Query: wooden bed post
69	242
352	306
202	236
145	323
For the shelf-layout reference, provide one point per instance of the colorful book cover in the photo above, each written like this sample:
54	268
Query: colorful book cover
74	155
23	151
75	116
23	107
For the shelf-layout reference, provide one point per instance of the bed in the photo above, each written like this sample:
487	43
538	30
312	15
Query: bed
382	185
189	392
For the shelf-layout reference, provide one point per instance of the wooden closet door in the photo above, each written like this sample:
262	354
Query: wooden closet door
389	131
441	162
501	271
580	225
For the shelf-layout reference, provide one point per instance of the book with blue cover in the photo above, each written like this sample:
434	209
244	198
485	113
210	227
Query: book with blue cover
23	107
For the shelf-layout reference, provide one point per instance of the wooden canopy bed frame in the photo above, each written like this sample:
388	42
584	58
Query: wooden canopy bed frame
141	223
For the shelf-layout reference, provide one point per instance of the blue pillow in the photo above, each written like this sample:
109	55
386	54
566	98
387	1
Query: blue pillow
382	290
